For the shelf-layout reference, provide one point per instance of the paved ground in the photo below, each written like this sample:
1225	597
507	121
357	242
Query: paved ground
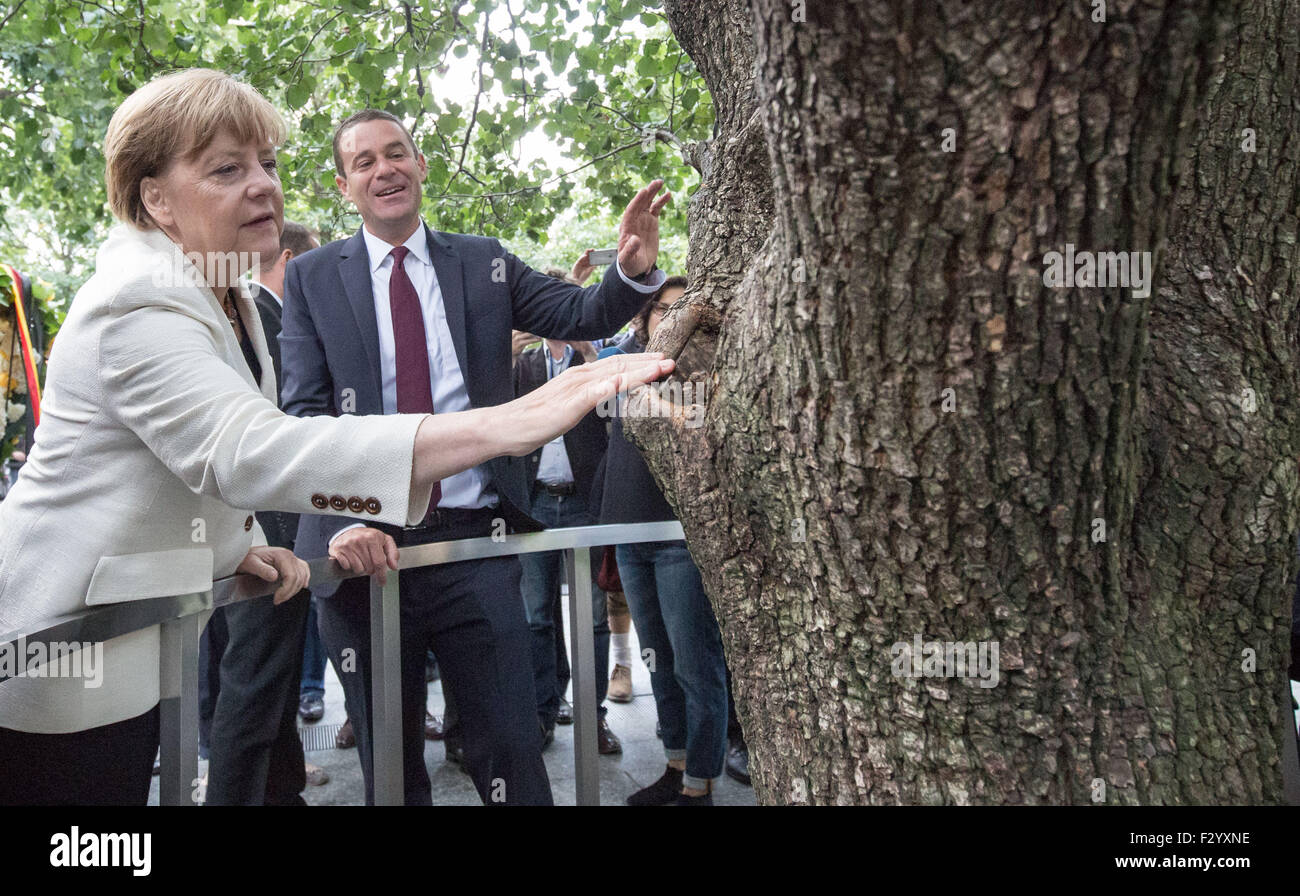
640	764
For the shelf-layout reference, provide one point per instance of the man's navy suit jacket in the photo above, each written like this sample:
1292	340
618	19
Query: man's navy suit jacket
329	341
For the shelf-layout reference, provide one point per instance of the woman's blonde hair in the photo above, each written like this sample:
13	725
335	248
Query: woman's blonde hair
177	116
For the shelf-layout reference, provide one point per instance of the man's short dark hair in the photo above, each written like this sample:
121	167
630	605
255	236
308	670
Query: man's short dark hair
296	238
359	118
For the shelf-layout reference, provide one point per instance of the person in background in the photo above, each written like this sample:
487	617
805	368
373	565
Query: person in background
618	619
519	340
256	754
674	619
737	749
620	646
561	476
311	685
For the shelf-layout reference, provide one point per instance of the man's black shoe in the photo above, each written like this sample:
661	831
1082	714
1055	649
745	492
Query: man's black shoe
311	708
565	714
607	743
346	738
663	792
456	755
738	762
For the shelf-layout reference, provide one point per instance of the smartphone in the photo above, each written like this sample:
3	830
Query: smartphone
599	257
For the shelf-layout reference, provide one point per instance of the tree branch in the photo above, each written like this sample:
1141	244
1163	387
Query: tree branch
11	13
544	183
478	95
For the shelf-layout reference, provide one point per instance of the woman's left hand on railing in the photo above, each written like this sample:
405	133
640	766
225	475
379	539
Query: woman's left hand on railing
269	564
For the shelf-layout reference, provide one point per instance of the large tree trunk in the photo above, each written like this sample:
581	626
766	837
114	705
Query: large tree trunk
909	435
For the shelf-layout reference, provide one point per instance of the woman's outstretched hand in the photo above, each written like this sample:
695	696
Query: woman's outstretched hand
555	408
446	444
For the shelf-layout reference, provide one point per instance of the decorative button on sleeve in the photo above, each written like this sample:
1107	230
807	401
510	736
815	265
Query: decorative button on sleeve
373	506
319	501
337	502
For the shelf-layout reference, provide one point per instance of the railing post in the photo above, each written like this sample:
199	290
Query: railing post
577	567
386	691
178	691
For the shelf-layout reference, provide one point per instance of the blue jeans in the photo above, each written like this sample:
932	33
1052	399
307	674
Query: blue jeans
541	576
313	658
682	647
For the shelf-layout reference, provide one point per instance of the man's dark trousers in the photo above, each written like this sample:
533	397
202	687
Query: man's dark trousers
257	757
469	614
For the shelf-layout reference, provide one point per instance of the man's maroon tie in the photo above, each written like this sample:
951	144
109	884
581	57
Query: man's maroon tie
411	350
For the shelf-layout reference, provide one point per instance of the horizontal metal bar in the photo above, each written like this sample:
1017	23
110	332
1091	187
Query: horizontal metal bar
534	542
101	623
236	588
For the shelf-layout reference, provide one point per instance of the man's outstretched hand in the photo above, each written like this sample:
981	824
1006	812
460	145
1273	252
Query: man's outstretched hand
638	232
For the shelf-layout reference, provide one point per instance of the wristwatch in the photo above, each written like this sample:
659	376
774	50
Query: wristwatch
645	275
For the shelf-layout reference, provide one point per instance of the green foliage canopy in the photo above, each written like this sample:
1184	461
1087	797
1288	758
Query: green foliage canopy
525	109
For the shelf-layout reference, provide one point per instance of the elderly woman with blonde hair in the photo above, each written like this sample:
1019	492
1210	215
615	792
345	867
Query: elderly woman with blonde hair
160	434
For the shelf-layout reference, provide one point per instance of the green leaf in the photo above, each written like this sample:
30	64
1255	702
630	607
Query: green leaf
297	95
559	52
157	38
371	78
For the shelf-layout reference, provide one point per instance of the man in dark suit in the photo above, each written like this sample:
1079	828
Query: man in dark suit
256	755
401	318
561	474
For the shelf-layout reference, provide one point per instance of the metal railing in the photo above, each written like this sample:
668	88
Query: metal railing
178	616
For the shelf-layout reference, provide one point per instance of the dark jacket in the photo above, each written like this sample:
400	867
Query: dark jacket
630	494
584	444
330	340
281	529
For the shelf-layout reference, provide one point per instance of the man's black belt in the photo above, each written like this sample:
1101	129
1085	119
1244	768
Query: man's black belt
557	491
456	518
446	524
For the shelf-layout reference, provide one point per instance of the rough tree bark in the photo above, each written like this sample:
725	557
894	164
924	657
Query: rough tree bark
847	272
